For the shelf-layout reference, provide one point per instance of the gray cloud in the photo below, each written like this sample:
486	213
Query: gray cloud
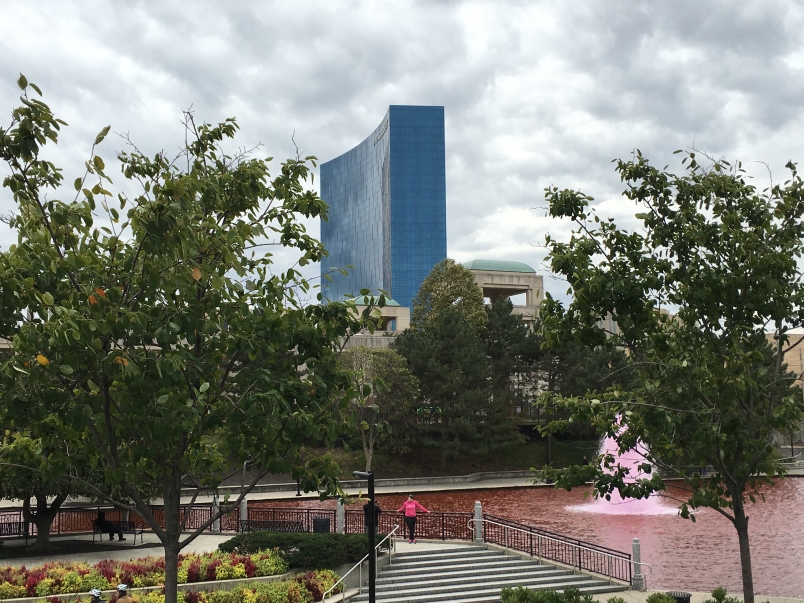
535	93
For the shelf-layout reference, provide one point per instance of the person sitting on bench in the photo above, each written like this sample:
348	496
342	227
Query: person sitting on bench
105	526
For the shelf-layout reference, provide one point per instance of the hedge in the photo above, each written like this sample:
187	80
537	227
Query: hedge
525	595
302	549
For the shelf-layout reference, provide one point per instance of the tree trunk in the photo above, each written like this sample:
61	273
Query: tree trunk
368	446
369	453
171	497
171	571
548	456
741	524
42	519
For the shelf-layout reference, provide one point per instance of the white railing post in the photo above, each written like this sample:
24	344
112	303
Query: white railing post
638	582
340	517
478	521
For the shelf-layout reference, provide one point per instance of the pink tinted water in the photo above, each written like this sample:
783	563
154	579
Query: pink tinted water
684	555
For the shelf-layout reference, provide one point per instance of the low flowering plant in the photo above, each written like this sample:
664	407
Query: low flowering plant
305	588
72	577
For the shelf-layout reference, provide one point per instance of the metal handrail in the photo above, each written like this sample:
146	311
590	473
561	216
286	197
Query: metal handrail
392	546
621	557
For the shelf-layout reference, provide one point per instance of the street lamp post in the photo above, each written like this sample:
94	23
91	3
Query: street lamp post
372	523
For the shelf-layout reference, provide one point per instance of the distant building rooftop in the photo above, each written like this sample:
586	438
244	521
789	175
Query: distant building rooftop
498	266
363	301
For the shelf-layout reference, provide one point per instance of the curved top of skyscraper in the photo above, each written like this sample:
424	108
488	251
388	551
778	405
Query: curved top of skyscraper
387	207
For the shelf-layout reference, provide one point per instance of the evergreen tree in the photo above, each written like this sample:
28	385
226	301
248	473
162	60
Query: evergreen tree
459	414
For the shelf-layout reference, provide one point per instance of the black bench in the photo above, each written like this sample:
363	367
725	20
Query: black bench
15	528
271	525
126	527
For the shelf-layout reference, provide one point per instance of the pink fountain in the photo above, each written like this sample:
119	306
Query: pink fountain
625	506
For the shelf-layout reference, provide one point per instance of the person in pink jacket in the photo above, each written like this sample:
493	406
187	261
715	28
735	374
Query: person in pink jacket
409	507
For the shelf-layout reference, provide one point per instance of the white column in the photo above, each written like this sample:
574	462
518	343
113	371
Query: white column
244	509
639	579
340	517
216	507
478	521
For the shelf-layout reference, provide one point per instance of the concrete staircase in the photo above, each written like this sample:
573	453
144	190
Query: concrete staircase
469	574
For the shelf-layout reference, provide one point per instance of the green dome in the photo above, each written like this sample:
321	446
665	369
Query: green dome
363	301
498	266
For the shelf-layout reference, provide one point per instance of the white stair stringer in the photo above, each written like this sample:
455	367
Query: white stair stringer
471	574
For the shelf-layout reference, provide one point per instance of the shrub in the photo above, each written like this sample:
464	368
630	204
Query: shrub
719	596
12	591
525	595
615	600
302	549
660	598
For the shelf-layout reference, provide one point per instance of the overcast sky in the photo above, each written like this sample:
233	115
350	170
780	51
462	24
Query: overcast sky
535	93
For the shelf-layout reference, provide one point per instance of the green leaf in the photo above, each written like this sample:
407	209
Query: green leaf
47	298
162	399
35	87
22	82
77	184
102	134
66	369
204	387
93	387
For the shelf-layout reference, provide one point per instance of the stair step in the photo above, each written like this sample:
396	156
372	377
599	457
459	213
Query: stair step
472	550
447	566
486	594
435	557
471	577
466	569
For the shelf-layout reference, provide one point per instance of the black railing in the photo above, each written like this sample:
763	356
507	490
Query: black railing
436	525
585	556
285	514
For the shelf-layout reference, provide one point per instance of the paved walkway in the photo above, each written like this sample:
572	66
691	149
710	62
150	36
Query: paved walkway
436	486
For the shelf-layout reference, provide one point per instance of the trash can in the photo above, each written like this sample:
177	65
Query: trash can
679	595
321	526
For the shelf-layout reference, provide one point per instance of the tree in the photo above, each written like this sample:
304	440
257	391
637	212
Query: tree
511	348
448	357
449	285
154	325
711	390
34	469
386	409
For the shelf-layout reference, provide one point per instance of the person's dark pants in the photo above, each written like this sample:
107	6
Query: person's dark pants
410	522
109	528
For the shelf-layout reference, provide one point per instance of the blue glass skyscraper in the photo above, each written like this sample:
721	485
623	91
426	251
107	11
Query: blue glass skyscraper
387	207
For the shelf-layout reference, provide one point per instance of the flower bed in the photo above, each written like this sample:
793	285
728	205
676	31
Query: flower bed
304	588
60	577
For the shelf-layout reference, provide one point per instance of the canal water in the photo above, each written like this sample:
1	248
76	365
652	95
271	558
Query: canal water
684	555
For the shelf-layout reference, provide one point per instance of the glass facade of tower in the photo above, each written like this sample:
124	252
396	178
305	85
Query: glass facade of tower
387	207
